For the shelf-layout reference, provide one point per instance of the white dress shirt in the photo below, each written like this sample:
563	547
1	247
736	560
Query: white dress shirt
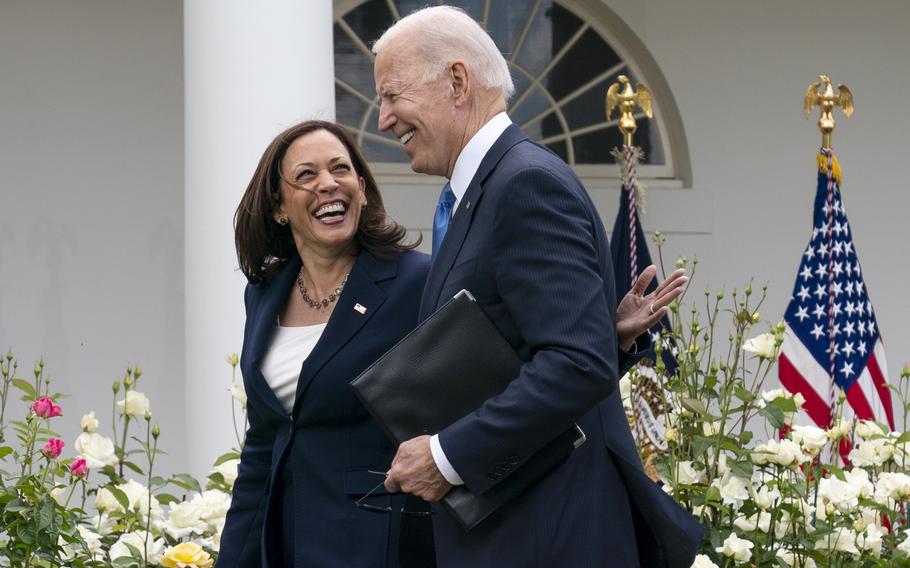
281	365
465	168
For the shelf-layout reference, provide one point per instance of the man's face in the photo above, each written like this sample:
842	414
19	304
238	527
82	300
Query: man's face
420	113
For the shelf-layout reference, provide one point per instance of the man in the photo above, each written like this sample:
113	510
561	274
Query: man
526	240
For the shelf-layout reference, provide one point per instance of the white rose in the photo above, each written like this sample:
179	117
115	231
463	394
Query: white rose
59	494
702	561
103	523
88	422
871	540
733	490
791	559
840	430
765	497
136	404
774	394
92	543
785	453
763	345
97	450
228	471
760	521
184	519
238	393
811	438
871	453
842	539
858	479
894	486
840	494
868	429
213	506
105	501
150	550
738	549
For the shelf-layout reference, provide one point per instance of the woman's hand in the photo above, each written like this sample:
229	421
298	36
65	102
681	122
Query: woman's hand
638	312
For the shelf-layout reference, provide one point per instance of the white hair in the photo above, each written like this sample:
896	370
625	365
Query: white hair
443	34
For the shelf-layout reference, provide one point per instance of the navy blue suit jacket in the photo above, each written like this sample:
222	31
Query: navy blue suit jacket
527	241
329	442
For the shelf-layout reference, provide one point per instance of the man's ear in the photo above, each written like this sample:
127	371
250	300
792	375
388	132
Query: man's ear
460	81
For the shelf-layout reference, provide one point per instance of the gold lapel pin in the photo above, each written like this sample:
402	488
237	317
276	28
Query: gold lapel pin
360	309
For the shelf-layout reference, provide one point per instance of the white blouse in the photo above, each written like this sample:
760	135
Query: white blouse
284	359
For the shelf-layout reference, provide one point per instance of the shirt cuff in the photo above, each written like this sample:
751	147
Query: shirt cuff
442	463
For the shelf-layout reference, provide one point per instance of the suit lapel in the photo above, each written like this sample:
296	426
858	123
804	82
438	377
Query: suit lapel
361	290
265	319
461	222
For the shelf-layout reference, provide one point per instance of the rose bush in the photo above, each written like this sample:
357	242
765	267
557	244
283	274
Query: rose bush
100	507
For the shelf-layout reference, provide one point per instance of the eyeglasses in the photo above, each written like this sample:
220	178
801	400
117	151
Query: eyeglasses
374	509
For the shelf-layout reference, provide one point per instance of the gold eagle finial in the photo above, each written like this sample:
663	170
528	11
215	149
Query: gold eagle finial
621	95
822	93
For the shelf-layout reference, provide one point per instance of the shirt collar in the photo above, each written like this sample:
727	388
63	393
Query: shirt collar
473	153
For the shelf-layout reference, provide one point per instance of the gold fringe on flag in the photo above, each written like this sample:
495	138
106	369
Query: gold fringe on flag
822	162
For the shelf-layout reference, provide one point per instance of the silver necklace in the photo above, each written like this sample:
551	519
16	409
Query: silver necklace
324	303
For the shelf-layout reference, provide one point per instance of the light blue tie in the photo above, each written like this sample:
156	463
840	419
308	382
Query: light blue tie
441	219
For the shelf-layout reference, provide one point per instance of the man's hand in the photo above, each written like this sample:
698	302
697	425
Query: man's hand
637	312
414	471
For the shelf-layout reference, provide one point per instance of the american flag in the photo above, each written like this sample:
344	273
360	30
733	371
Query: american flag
832	343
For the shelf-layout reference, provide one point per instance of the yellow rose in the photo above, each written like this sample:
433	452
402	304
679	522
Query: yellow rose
186	555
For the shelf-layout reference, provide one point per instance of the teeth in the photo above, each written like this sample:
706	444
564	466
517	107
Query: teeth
404	138
330	208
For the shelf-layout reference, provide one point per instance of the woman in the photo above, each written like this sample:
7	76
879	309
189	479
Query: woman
332	286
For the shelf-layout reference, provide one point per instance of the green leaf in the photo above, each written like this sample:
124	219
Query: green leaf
232	456
134	467
45	515
742	468
743	394
166	498
695	405
119	495
774	415
25	387
746	437
5	451
700	444
187	482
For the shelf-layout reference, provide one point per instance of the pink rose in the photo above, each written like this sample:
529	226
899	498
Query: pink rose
45	408
79	467
53	448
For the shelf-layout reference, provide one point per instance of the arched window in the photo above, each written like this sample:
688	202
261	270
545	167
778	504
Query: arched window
563	55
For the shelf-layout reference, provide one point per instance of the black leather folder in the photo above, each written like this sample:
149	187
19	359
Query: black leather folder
443	370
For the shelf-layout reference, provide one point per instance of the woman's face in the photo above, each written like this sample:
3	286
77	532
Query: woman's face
323	206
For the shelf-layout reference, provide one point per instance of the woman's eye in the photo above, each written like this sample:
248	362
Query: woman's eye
341	168
304	174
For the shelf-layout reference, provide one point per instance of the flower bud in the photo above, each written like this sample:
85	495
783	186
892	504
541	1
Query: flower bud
129	369
720	295
674	306
79	467
127	381
672	435
137	372
116	386
748	289
905	373
39	366
148	416
9	355
233	359
756	318
681	262
156	431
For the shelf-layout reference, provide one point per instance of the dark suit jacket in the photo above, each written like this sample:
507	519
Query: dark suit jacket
527	241
301	474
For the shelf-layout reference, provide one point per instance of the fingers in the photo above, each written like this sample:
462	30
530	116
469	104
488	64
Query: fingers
677	279
644	280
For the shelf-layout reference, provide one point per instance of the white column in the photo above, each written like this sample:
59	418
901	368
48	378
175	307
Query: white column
250	70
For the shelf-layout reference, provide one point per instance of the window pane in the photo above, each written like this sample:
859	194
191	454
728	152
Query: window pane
551	28
352	65
589	57
505	25
370	20
595	147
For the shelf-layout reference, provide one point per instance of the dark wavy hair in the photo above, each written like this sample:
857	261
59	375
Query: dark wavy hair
264	246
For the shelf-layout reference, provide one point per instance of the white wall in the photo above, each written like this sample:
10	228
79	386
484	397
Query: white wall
91	202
